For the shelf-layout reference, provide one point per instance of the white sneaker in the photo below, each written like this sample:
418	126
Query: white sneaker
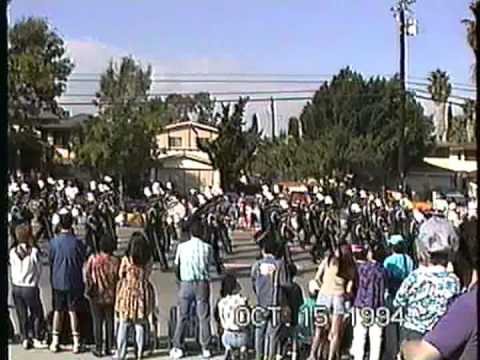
176	353
54	347
26	344
206	354
37	344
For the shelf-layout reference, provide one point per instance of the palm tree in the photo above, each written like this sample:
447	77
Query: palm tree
440	90
471	30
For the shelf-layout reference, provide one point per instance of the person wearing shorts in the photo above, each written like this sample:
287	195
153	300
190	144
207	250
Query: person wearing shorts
67	257
335	277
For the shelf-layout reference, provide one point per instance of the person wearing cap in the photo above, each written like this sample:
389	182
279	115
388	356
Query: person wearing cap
371	285
425	294
67	256
234	336
399	264
455	336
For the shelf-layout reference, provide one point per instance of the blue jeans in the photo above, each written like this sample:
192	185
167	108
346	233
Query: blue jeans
190	292
122	337
235	340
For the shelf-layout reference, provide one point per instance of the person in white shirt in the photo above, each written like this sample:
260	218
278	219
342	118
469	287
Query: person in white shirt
234	336
26	269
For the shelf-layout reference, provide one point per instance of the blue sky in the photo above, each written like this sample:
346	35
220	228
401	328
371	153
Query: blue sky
258	36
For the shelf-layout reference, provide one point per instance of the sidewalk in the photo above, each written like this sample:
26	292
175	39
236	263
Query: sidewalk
18	353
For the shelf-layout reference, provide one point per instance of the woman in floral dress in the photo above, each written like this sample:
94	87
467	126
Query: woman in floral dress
135	296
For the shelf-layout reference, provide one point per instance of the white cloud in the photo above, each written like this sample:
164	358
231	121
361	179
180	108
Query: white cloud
92	57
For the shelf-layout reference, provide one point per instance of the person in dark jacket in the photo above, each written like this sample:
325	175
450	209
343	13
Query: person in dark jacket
268	275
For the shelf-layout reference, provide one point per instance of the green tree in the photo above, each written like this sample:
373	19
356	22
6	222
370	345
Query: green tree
293	128
199	107
122	140
440	90
355	122
471	27
231	152
38	69
470	120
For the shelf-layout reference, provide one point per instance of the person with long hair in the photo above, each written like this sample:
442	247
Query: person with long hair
135	296
101	277
335	278
26	269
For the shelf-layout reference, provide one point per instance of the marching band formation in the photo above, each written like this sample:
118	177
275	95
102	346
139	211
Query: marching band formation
332	212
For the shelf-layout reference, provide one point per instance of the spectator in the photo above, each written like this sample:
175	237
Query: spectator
455	336
335	277
426	292
193	260
135	296
268	275
233	336
398	265
101	277
26	269
67	256
294	300
306	320
372	281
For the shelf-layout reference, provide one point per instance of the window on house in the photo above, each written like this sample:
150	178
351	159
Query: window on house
175	142
202	140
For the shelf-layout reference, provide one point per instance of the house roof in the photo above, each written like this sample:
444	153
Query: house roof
70	123
426	167
184	156
195	124
452	164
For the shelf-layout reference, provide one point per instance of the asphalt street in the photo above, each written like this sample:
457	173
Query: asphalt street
240	262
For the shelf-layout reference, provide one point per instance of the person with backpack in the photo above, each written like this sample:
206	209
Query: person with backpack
134	300
26	269
101	277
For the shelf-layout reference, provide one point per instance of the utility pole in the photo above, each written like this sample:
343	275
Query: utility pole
476	12
272	109
400	10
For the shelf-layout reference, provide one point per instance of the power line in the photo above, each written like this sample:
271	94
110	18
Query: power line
267	99
260	75
253	92
254	81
